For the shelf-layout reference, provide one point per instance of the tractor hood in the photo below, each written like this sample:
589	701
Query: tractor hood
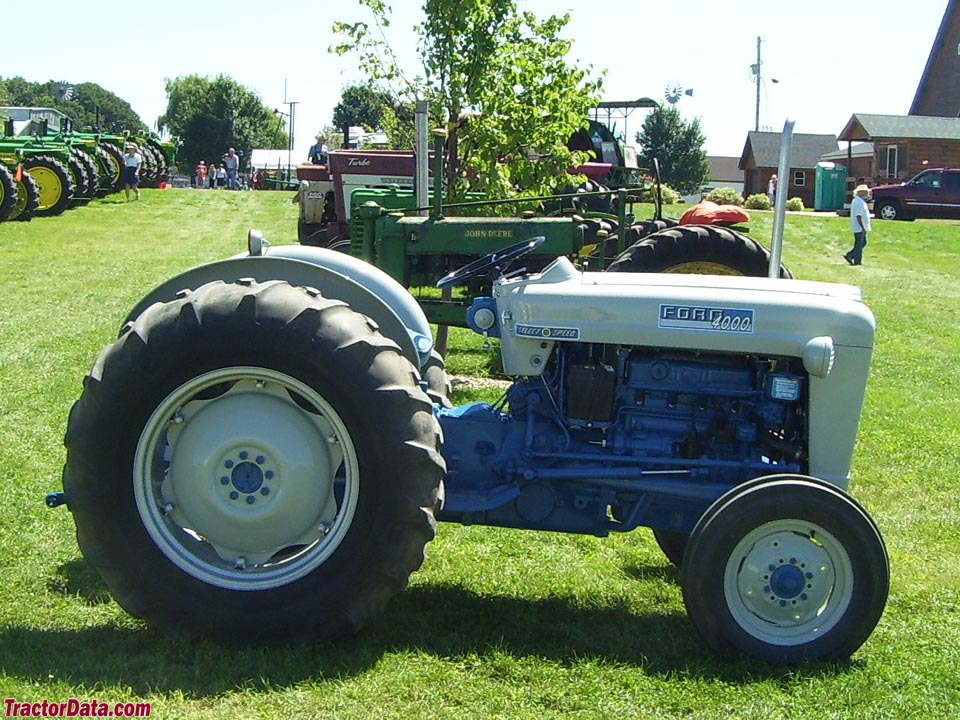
707	312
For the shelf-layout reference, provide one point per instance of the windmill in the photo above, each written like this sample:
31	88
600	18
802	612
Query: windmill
674	91
64	91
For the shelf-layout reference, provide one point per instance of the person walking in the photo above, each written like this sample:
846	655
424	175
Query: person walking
231	161
132	162
859	223
772	190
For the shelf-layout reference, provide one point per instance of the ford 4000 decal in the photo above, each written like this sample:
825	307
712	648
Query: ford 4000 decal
691	317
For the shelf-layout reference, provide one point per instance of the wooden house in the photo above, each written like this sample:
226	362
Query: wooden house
903	145
938	94
761	158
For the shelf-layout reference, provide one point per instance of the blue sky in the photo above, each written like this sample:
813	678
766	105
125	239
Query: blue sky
831	59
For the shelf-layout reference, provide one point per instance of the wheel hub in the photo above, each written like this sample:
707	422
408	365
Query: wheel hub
789	580
251	465
216	484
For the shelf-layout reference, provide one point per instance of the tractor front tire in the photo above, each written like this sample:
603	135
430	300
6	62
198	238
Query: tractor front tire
785	569
253	462
699	250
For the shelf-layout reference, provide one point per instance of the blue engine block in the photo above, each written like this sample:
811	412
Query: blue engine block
612	438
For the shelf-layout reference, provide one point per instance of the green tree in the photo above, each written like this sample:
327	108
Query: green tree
678	146
501	81
362	105
210	116
83	103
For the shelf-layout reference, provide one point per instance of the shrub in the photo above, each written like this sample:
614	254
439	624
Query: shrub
725	196
795	204
757	202
670	196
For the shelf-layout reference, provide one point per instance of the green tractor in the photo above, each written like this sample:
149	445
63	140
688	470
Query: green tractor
51	164
93	168
19	194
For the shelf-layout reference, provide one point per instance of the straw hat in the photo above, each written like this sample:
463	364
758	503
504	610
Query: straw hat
861	190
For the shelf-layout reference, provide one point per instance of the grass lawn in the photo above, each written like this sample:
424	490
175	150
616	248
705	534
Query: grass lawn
497	623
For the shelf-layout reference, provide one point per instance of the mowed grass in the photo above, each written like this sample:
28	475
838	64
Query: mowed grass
497	623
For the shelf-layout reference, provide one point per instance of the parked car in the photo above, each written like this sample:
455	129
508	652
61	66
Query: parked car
934	193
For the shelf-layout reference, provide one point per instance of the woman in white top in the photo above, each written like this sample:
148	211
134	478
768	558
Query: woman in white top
132	162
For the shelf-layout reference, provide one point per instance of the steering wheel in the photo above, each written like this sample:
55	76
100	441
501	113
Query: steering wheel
489	261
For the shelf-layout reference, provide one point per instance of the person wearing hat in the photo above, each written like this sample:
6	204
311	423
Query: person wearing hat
201	172
859	223
132	162
318	151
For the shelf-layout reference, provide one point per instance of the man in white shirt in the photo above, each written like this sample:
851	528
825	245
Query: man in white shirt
859	223
231	161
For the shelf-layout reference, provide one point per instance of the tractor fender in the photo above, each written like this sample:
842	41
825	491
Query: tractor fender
362	286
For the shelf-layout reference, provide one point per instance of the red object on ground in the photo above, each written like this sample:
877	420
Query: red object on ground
162	186
709	213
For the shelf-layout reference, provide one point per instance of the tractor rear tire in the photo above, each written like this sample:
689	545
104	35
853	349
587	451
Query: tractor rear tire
116	153
150	175
53	182
107	170
28	198
634	234
93	174
82	190
253	462
8	193
434	374
785	569
699	250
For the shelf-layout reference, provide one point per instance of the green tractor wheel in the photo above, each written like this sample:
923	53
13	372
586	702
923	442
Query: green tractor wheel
53	182
8	193
81	181
90	167
28	198
116	153
150	177
163	167
108	171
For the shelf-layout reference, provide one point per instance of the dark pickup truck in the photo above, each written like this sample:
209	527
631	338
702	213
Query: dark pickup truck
934	193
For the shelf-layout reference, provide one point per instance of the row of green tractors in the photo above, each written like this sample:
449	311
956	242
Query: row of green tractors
45	171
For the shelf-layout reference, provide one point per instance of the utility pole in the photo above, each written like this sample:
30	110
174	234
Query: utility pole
756	71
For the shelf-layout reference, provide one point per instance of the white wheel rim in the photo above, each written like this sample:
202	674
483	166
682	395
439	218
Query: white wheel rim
246	478
788	582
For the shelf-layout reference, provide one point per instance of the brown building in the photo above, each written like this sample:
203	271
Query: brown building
858	160
938	94
903	145
761	158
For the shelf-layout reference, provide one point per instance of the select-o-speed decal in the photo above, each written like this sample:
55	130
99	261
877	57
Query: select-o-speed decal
556	333
714	319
